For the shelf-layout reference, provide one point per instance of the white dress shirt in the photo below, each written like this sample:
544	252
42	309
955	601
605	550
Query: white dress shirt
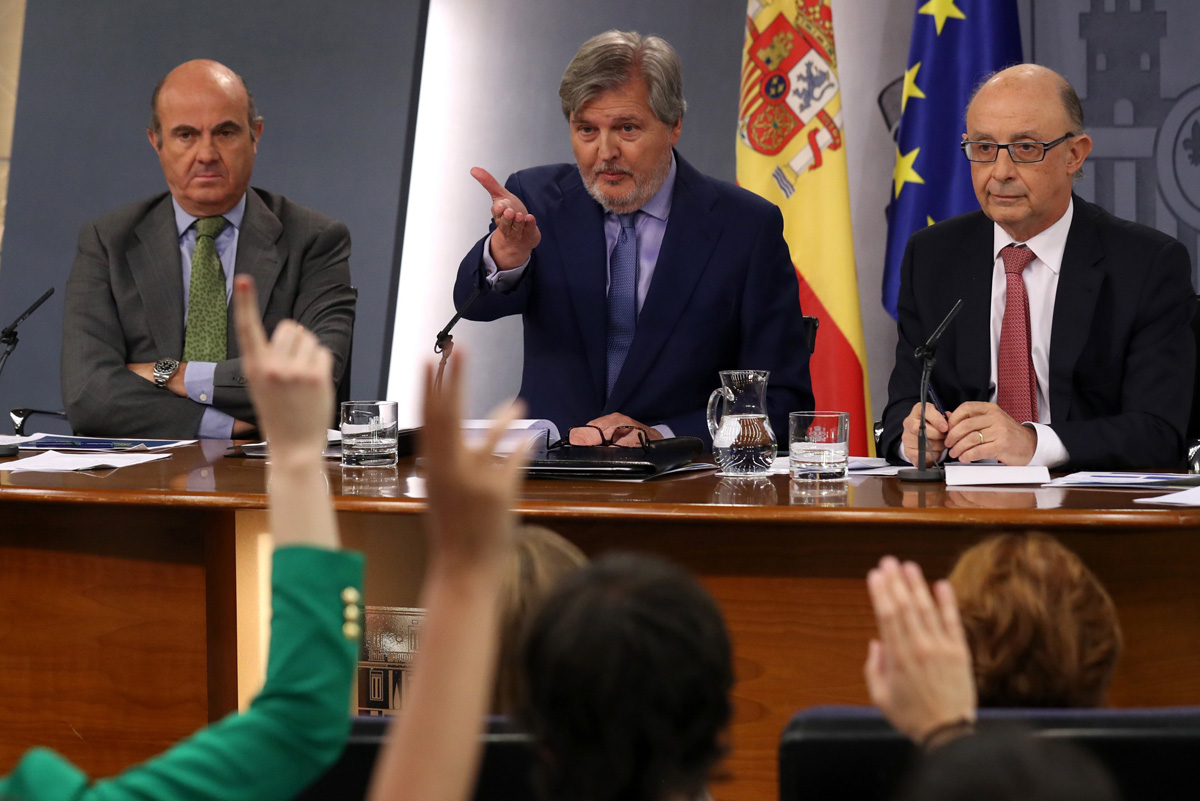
1041	287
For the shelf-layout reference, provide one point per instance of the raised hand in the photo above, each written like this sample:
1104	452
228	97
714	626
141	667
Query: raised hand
516	233
919	670
288	378
434	747
470	491
292	391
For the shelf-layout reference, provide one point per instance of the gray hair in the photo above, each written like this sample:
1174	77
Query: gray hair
252	116
611	59
1067	96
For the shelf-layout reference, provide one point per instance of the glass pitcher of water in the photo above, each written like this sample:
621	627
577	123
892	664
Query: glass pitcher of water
743	442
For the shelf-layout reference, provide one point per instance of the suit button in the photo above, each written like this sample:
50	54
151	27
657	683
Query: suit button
351	612
351	595
351	630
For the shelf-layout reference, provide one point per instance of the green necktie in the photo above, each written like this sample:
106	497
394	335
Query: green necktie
205	339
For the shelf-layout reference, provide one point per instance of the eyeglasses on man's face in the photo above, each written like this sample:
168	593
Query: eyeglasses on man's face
1019	152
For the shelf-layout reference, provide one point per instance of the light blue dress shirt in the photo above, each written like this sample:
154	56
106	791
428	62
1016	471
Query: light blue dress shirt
198	380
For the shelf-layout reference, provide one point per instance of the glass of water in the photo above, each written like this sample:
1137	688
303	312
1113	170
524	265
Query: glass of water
819	445
369	431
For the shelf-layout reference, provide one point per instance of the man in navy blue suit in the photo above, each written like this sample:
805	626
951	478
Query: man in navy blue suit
637	277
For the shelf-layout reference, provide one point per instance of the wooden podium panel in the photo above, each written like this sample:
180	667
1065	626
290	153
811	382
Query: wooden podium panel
131	616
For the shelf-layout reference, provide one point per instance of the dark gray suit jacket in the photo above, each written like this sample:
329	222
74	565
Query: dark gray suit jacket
1122	353
124	304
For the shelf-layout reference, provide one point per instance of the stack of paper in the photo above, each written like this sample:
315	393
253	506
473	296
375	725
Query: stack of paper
55	462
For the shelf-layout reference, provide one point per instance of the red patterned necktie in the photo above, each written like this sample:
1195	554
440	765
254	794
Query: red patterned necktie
1016	384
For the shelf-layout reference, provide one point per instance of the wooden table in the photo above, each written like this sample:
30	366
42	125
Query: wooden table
131	604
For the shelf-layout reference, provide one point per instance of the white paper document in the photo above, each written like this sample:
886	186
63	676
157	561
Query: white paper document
975	475
9	439
55	462
521	435
1126	480
1187	497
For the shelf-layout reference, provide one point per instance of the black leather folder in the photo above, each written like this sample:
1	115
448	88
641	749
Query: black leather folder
587	462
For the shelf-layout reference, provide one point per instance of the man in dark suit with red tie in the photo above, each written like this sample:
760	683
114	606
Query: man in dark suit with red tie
1073	347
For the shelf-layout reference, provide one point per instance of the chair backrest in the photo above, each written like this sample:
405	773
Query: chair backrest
810	332
1193	429
342	391
504	773
852	752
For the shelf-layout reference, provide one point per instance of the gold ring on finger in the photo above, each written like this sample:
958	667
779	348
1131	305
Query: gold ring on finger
981	439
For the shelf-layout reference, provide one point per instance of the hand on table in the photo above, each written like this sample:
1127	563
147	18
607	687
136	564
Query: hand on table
516	233
919	670
935	434
609	423
984	431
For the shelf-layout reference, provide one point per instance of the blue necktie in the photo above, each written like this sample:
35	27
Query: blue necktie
622	297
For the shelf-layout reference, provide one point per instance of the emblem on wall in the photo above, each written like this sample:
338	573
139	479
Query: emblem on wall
789	85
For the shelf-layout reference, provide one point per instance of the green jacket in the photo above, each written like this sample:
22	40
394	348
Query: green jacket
293	731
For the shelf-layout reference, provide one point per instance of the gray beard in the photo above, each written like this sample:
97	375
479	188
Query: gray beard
636	197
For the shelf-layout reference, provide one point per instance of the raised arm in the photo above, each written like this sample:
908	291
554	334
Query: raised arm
433	751
919	670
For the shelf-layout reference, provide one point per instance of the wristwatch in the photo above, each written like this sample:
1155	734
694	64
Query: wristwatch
163	370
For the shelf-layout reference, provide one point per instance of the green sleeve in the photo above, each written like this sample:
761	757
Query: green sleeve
293	731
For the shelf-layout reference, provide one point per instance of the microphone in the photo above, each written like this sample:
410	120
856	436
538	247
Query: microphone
8	338
926	354
445	341
10	333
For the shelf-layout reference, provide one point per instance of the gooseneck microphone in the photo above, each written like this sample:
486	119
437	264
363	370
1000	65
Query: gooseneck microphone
444	344
8	338
926	354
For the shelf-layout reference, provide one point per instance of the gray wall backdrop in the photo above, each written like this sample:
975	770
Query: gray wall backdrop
335	82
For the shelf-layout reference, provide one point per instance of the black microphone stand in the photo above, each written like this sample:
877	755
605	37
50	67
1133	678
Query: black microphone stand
445	341
925	353
9	339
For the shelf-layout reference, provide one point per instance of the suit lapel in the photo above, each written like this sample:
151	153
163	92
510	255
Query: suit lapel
257	256
973	283
579	225
154	262
1074	304
688	243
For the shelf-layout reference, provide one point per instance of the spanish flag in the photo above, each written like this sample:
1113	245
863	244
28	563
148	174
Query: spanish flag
791	151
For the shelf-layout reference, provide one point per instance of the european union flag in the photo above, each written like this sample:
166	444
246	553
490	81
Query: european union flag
955	43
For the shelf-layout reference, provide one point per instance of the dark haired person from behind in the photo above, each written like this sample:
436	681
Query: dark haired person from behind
628	669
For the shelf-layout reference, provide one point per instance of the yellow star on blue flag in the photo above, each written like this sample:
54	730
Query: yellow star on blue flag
950	53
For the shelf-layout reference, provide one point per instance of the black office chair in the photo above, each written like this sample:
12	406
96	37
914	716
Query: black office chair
811	324
503	774
853	752
1193	429
20	417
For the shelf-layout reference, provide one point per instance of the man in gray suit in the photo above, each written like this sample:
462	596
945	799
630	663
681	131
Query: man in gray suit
148	340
